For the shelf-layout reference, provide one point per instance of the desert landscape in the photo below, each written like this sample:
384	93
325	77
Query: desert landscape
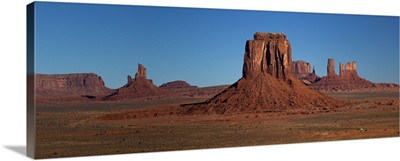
277	100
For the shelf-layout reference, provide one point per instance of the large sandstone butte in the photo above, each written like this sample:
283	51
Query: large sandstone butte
267	84
81	84
347	80
137	87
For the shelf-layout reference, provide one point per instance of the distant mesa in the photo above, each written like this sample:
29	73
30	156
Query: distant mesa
348	70
301	70
182	89
90	87
68	85
177	86
137	87
267	83
347	80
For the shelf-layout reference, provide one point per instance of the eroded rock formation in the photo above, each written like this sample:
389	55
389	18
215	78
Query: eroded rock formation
342	70
268	53
267	84
350	70
347	80
301	69
141	73
331	68
182	89
57	85
137	87
177	86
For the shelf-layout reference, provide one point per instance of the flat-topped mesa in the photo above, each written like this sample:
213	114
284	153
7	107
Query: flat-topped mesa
177	85
269	36
351	69
331	67
300	69
141	73
268	53
348	70
76	84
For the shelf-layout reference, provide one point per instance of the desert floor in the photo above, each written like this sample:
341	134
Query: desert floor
80	129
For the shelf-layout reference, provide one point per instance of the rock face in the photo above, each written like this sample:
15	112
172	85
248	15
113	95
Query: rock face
331	67
141	73
342	70
138	87
57	85
267	84
268	53
300	69
350	70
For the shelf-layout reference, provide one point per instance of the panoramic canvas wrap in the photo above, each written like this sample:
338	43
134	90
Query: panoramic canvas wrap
113	79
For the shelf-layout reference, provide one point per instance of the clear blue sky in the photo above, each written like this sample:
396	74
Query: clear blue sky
201	46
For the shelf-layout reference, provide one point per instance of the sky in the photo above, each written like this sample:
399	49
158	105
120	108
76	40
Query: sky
204	47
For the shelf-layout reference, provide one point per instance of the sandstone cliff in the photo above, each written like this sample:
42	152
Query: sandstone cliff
331	67
350	70
57	85
267	84
268	53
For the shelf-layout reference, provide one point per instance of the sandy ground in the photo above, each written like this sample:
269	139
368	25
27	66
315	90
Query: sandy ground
80	129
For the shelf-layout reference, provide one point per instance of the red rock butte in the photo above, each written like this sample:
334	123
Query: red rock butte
301	69
347	80
267	84
137	87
